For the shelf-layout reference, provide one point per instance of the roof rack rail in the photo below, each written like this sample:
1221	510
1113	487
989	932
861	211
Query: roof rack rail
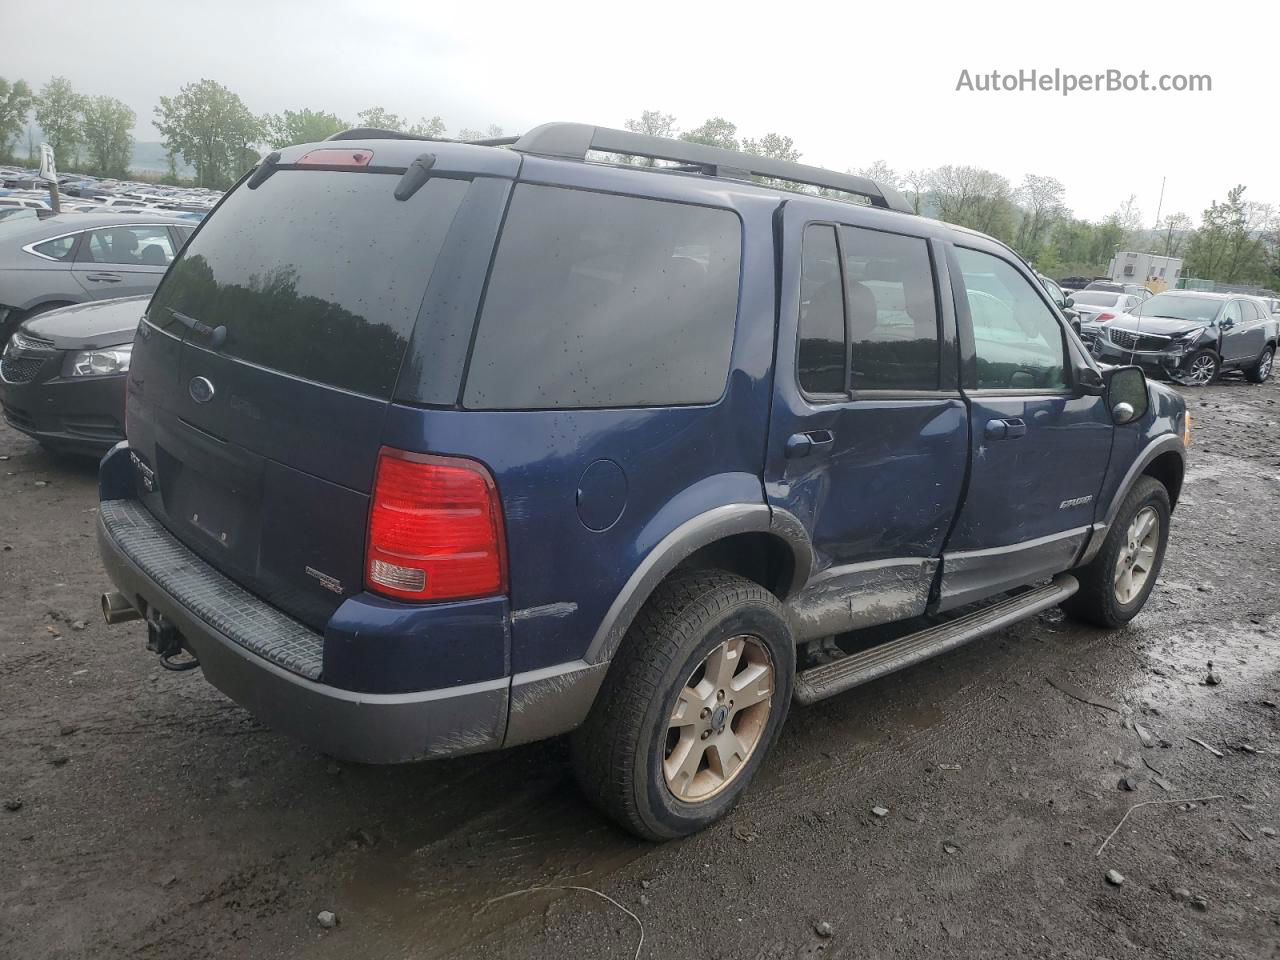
574	141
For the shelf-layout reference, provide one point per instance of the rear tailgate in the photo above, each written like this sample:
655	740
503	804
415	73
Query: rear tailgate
263	375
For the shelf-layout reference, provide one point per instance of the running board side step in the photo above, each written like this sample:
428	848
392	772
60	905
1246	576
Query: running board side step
827	680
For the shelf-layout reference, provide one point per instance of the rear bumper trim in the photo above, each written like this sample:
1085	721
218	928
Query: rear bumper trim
349	725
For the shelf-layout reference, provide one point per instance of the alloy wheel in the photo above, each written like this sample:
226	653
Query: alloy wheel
1138	555
1202	370
1264	368
719	718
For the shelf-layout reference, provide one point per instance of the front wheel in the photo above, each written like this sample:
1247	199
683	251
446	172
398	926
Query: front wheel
691	704
1202	369
1261	370
1115	585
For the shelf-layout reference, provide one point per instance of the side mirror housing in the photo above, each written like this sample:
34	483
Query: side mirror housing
1070	302
1127	395
1090	383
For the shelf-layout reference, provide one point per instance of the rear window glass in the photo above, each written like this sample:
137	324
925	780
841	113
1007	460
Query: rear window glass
601	301
318	274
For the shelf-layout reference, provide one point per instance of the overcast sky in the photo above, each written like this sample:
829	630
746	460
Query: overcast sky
851	83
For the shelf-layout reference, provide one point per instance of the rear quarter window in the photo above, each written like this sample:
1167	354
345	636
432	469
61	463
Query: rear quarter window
598	300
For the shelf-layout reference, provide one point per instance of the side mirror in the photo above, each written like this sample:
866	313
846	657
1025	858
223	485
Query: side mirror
1090	383
1069	302
1127	395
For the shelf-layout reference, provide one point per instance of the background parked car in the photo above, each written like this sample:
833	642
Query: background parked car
62	374
1192	336
1097	307
75	258
1112	286
1065	303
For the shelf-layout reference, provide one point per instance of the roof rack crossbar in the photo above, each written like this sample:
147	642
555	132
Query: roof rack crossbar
575	140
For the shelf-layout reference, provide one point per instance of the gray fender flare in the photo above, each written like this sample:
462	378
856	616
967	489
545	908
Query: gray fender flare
1169	443
690	536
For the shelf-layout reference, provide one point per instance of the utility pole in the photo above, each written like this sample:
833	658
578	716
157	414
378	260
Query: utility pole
1160	202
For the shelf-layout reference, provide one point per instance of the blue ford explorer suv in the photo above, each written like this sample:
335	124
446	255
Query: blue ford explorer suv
438	447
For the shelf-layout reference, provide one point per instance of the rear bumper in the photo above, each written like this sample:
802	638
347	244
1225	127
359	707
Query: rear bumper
350	725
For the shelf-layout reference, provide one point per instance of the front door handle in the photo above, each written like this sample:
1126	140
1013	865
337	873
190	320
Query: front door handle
105	278
1009	428
811	441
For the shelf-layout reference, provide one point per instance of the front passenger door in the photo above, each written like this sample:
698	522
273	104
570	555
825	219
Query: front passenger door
123	261
1039	447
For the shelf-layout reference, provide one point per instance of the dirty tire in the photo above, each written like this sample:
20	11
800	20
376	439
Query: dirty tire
618	752
1096	602
1260	372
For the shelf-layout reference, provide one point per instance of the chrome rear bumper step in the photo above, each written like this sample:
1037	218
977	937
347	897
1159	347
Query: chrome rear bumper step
827	680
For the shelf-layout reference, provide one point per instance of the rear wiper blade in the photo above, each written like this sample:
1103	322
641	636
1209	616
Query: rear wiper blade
217	335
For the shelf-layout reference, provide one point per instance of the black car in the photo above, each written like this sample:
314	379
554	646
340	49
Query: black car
62	374
1191	337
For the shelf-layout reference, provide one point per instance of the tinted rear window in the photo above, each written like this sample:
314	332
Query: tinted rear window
318	274
605	301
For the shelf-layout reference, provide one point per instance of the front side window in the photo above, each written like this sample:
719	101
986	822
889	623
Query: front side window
1233	314
130	246
893	314
821	347
59	248
1018	341
598	300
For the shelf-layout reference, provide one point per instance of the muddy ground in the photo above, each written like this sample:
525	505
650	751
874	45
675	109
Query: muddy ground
158	820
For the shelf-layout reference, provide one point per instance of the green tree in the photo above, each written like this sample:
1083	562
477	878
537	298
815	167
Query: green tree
59	112
1231	245
212	129
432	127
301	126
16	100
716	132
107	125
1041	200
653	123
380	118
772	145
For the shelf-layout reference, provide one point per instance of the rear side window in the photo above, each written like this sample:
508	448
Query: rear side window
893	314
820	354
58	248
129	246
606	301
318	274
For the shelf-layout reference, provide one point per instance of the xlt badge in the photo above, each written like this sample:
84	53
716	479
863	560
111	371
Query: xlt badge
329	583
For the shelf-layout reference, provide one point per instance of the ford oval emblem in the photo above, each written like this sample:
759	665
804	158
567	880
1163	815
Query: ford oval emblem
201	389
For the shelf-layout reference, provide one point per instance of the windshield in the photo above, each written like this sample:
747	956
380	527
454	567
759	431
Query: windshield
318	274
1095	299
1176	307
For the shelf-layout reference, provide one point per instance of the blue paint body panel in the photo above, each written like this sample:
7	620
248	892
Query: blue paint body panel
270	481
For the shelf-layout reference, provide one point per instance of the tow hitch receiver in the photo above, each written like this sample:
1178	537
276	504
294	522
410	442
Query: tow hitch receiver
163	638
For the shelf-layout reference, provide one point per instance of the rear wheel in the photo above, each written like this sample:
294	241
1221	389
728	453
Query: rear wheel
693	701
1115	585
1202	369
1261	370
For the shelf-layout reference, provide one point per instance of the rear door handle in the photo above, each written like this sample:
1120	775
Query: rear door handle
105	277
1009	428
811	441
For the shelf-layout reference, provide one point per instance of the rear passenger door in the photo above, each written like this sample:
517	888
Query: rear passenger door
1243	334
1040	447
123	261
867	443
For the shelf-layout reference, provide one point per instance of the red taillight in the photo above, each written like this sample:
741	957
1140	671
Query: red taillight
335	157
1104	317
435	529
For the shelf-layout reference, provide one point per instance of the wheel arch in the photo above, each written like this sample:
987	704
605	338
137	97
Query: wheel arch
747	539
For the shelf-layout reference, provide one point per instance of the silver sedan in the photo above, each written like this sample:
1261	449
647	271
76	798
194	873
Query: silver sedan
76	258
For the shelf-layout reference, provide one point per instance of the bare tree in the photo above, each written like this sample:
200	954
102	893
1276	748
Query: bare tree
1042	204
881	172
973	197
1175	228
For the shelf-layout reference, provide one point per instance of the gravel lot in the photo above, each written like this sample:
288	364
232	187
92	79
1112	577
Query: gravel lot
158	820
